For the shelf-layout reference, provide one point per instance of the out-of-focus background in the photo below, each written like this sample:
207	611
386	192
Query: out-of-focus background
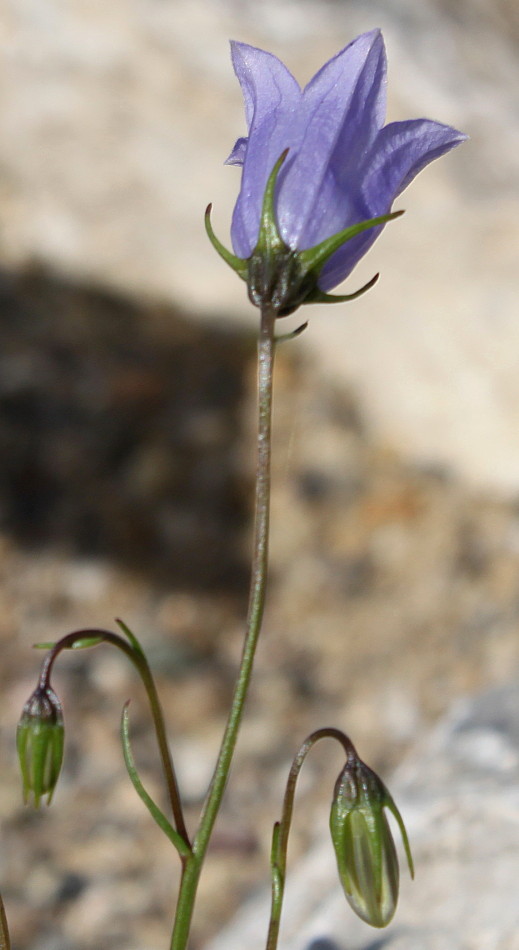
127	429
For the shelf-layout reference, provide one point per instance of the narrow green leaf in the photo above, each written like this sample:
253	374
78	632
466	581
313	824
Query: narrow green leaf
5	943
86	642
274	851
82	643
134	642
155	812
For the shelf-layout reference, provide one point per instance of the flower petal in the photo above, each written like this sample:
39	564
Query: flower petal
264	80
344	107
400	151
342	166
237	156
272	99
339	203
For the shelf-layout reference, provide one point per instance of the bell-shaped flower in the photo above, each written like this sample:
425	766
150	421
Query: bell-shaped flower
343	166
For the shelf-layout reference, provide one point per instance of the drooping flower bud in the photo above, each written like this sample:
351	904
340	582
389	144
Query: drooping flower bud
363	842
39	739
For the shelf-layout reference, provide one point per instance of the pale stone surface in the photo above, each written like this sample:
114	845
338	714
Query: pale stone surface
114	124
459	795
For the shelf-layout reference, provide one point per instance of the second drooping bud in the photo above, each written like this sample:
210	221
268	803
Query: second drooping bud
364	846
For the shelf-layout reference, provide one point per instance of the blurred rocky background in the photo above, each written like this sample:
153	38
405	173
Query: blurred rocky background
126	438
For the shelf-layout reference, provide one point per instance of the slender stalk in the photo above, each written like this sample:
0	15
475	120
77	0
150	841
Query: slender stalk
193	865
5	943
140	662
282	828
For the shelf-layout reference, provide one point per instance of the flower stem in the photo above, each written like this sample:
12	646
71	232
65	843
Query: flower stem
5	943
282	828
193	865
139	661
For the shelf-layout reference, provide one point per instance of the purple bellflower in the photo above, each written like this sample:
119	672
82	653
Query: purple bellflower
320	171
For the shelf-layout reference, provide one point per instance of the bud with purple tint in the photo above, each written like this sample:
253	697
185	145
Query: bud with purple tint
39	739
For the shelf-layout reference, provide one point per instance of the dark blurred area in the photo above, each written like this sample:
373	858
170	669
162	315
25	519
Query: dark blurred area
119	431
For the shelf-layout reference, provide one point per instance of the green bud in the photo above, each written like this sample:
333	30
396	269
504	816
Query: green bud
363	842
39	740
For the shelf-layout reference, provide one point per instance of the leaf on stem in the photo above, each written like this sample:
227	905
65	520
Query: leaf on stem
131	636
82	643
155	812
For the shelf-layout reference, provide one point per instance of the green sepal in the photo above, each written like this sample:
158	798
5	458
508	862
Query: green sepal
282	277
275	277
390	805
316	257
284	337
158	816
270	243
318	296
285	278
238	264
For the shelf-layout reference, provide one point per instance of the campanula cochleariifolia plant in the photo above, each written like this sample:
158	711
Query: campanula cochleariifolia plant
319	174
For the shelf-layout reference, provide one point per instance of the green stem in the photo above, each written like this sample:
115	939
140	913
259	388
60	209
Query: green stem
282	828
5	943
140	663
193	865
